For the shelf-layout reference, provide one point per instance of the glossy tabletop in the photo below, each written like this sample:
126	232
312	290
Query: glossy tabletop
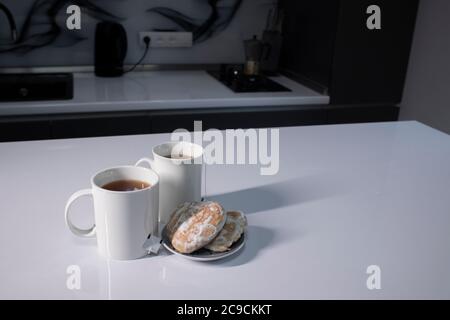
346	197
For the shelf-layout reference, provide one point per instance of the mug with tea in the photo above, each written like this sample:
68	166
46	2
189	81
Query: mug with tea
179	166
125	209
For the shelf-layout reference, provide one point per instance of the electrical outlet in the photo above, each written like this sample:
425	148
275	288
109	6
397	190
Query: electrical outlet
167	39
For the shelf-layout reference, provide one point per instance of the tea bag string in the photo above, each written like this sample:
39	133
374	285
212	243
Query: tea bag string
204	179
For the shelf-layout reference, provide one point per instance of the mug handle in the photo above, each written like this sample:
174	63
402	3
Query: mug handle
145	160
88	233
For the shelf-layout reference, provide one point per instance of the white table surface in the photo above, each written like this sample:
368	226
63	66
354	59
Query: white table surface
161	90
346	197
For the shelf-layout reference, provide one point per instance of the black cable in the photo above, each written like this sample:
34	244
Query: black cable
147	47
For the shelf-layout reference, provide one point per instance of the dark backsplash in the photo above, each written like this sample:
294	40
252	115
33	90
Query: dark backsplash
223	47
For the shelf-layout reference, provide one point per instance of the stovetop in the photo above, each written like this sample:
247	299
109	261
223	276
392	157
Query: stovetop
234	78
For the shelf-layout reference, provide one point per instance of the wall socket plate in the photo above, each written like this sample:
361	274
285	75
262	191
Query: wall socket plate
167	39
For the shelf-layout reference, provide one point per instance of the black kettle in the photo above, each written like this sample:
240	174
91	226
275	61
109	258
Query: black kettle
110	49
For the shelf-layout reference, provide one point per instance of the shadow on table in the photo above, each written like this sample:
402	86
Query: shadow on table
259	239
280	194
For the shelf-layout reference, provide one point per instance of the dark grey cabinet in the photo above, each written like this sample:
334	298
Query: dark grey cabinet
24	128
227	118
358	114
127	123
327	44
86	125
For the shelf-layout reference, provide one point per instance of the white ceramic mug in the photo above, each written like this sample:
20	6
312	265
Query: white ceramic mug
123	219
180	179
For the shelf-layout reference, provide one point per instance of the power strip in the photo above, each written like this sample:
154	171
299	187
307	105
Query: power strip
167	39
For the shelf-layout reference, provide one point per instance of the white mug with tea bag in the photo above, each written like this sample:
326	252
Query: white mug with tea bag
179	167
125	208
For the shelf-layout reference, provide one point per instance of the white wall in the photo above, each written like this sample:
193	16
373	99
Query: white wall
427	92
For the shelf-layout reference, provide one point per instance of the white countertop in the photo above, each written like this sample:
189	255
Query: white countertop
161	90
346	197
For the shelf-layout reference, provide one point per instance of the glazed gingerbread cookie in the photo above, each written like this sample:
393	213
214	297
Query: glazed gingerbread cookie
231	232
195	224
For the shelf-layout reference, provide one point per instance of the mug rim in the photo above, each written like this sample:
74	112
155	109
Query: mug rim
175	142
94	185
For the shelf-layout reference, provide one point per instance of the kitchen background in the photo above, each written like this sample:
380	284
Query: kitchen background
425	95
224	47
